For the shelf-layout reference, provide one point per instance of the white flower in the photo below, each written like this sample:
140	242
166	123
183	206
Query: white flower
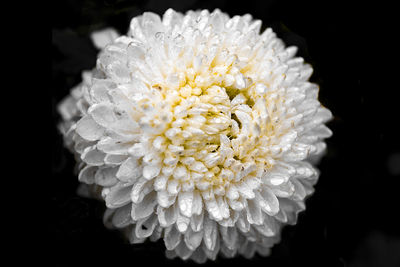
198	130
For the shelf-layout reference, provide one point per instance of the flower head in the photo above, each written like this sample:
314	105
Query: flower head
199	130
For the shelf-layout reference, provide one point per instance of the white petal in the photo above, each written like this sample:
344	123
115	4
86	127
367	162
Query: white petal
226	252
137	150
197	207
157	233
67	108
113	146
134	239
103	114
212	254
141	188
145	207
164	199
106	176
129	170
182	223
269	227
232	192
268	201
185	201
245	190
229	236
173	186
122	216
213	209
248	249
167	216
160	182
170	254
108	217
223	207
291	209
88	129
243	224
87	174
103	37
118	196
284	190
151	171
254	214
145	227
198	167
299	190
265	229
193	239
183	251
210	233
171	18
236	204
92	156
199	256
114	159
196	222
172	237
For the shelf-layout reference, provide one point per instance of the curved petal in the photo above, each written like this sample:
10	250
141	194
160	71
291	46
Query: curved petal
167	216
172	237
193	239
106	176
103	37
86	175
210	233
88	129
185	202
122	216
118	196
144	208
145	227
268	201
254	214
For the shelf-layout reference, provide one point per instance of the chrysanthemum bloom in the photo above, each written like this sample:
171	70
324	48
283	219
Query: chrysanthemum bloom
199	130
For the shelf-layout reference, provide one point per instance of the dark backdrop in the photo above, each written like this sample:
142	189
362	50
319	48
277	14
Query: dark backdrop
351	218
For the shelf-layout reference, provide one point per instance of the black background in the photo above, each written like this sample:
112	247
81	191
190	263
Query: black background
351	218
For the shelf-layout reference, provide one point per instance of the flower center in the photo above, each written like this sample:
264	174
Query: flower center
212	137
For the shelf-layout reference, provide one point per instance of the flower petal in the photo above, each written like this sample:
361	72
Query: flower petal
197	207
106	176
167	216
196	222
145	227
145	208
92	156
193	239
267	201
210	233
185	201
129	170
254	214
118	196
182	223
172	237
86	175
122	216
151	171
88	129
103	37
